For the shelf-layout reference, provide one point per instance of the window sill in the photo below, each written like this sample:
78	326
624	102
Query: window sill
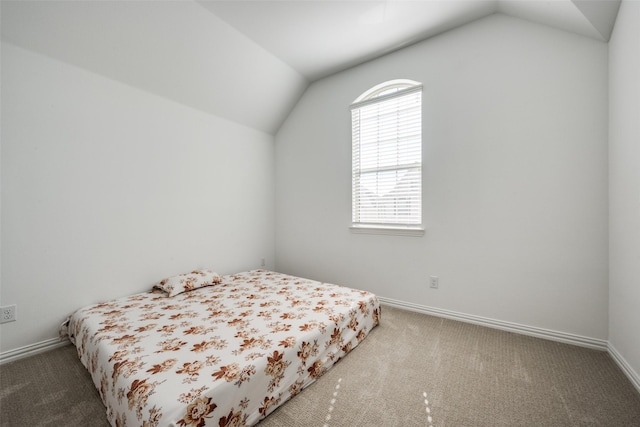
388	230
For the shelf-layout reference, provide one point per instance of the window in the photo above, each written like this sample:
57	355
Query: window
387	159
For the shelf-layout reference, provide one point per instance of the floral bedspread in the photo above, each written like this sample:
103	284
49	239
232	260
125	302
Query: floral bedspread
222	355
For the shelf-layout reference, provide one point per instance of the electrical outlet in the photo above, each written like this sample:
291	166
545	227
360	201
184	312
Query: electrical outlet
433	282
263	263
8	314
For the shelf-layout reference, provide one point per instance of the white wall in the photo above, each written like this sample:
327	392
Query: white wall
515	179
106	189
624	186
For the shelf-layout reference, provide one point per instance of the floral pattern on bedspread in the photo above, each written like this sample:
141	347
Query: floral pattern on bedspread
223	355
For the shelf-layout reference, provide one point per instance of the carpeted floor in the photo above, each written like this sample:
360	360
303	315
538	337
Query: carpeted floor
412	370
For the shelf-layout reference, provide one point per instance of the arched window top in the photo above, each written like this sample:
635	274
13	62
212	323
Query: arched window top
387	88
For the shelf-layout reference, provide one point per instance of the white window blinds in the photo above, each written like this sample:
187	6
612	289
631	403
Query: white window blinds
387	158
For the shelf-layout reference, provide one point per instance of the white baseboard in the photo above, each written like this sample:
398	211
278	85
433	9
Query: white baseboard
30	350
626	368
563	337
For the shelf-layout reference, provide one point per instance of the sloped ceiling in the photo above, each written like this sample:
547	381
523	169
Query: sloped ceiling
319	38
249	61
175	49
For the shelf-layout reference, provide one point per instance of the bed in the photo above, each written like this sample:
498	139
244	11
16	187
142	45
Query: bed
204	349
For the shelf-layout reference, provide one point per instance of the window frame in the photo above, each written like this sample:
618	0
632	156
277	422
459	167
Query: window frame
385	92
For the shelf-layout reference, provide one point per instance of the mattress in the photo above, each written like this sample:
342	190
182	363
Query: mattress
223	355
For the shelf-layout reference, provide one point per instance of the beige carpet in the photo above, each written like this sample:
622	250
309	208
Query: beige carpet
412	370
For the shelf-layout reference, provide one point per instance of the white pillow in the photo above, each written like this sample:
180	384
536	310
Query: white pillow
188	281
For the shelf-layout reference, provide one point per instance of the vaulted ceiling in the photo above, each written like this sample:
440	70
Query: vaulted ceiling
249	61
318	38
